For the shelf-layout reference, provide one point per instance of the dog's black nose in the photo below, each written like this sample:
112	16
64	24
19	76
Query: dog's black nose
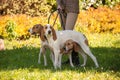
64	48
28	30
49	32
33	33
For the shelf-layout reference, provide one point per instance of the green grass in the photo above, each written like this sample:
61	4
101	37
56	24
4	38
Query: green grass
19	61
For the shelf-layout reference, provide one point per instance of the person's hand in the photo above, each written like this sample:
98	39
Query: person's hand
59	7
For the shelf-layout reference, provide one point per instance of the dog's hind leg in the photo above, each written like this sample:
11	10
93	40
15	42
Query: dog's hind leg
86	49
84	58
94	59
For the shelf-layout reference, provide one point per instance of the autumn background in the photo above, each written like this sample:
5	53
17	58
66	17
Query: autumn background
99	21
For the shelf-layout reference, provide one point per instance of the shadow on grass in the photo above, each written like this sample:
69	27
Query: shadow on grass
108	59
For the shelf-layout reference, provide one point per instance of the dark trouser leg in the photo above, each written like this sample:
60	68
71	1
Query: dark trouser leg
75	59
69	22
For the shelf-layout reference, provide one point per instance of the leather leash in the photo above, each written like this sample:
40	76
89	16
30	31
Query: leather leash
60	13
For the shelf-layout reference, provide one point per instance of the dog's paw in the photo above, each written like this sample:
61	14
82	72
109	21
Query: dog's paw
72	66
59	66
97	67
83	65
45	64
39	62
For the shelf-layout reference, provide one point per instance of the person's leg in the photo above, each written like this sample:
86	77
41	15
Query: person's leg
70	21
62	19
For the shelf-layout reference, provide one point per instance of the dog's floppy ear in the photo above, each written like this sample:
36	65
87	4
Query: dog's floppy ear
86	42
54	34
75	46
42	36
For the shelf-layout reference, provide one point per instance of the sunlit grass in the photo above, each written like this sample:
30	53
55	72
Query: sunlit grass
19	61
104	40
36	74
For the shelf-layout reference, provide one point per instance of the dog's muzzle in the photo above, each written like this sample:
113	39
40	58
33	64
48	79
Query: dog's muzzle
49	32
30	30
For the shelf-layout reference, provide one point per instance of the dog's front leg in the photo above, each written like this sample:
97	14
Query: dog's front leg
56	55
42	51
39	56
70	58
45	60
60	57
52	57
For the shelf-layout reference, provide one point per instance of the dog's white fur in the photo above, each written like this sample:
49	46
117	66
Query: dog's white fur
56	40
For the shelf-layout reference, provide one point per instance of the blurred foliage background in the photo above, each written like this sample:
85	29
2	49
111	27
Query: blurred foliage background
43	7
96	16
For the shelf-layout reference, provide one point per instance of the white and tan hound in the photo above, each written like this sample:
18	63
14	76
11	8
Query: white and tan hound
56	40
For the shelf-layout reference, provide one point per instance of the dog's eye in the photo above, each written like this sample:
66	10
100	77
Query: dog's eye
50	27
68	43
64	48
36	27
45	27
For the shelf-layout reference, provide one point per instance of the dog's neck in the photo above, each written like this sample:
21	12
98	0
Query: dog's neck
50	40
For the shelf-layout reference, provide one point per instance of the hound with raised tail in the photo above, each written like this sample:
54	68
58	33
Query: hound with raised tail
56	40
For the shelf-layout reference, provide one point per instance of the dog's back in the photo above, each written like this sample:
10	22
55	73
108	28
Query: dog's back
65	35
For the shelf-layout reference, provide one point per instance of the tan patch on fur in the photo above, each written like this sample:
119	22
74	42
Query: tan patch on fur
86	42
62	51
54	34
73	45
76	47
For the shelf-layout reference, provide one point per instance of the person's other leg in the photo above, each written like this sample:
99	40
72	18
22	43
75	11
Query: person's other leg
70	21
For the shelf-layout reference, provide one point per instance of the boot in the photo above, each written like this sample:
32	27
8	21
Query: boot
75	59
